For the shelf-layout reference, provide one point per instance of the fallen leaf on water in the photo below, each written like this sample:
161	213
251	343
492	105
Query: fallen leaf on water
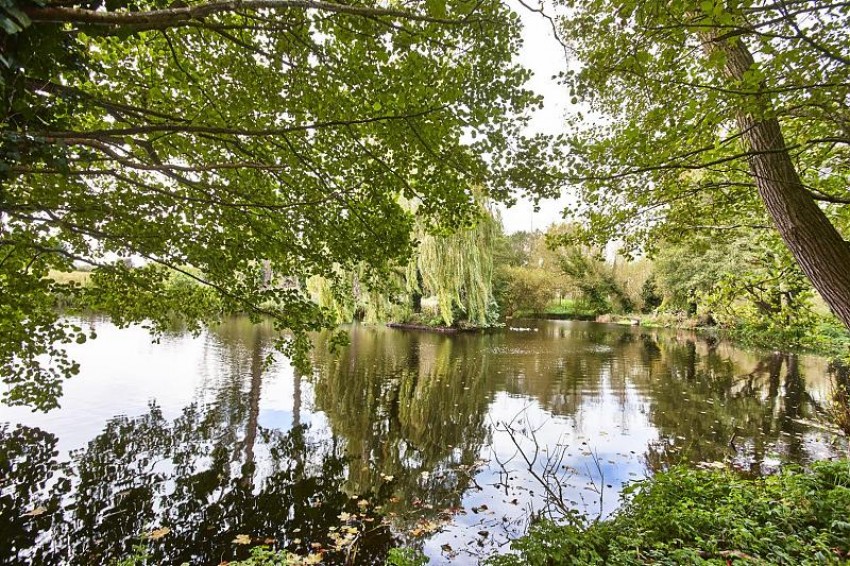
242	539
425	527
40	510
312	559
157	534
344	516
362	503
447	548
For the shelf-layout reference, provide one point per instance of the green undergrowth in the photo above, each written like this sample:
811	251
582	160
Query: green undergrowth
687	516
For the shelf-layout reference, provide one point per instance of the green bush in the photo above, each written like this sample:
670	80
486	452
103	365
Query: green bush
406	557
687	516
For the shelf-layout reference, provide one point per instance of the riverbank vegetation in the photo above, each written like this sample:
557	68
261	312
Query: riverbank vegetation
749	288
701	516
690	516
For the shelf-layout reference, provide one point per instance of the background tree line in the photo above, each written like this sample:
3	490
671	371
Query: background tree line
750	285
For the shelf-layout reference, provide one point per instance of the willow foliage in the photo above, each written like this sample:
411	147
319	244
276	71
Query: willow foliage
458	270
455	268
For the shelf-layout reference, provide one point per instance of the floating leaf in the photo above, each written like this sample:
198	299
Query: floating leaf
157	534
40	510
242	539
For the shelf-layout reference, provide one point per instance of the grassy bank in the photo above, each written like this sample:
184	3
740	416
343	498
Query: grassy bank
687	516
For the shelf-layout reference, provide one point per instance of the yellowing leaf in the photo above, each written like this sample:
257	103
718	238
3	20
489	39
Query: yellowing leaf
157	534
40	510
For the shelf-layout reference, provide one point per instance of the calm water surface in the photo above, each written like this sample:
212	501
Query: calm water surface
196	449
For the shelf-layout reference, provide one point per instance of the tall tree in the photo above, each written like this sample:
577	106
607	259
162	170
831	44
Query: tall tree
242	139
717	115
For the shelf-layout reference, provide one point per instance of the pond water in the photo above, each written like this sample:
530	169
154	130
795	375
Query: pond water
196	449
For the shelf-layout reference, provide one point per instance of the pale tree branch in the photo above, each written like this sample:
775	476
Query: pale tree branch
173	17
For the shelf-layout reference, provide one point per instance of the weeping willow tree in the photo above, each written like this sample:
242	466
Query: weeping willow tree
457	269
352	295
453	269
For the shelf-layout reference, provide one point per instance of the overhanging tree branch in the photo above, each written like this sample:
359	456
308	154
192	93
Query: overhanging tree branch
173	17
197	129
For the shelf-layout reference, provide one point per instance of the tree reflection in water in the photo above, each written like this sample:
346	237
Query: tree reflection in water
196	475
710	410
397	425
410	407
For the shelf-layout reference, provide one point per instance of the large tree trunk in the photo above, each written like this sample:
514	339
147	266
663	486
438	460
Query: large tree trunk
820	250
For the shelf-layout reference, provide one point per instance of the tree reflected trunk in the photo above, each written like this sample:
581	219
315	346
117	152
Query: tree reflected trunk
251	428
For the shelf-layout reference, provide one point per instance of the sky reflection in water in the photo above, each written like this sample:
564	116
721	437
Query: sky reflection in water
448	443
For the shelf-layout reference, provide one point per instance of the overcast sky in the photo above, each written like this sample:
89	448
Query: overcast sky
544	56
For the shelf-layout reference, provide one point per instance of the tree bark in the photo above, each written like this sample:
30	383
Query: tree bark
818	247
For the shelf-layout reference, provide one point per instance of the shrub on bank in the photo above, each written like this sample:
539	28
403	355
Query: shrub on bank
687	516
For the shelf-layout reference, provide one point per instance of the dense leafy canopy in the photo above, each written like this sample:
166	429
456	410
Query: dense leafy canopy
247	145
665	154
662	153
